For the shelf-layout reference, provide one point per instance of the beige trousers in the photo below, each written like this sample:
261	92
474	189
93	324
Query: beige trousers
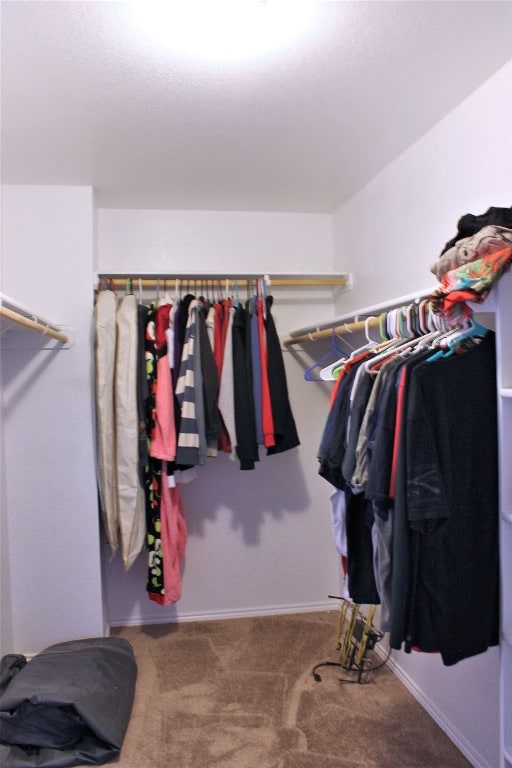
130	494
105	321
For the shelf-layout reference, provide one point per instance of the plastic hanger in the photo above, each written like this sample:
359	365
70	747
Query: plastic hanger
311	375
382	327
454	338
399	328
332	371
165	299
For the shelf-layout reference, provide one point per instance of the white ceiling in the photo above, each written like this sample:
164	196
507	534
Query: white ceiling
87	100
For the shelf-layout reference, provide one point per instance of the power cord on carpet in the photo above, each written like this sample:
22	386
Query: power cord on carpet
318	678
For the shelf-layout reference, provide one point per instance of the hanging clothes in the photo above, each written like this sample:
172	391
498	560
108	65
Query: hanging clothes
179	400
285	430
266	403
173	539
129	490
226	402
414	450
142	389
163	436
245	414
105	323
220	328
188	438
451	492
155	585
254	367
212	423
199	387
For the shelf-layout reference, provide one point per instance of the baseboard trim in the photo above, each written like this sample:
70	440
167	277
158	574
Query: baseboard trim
273	610
436	714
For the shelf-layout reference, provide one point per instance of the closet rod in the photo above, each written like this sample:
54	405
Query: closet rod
34	325
153	281
325	333
347	320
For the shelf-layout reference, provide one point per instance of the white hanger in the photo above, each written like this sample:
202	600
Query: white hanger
327	373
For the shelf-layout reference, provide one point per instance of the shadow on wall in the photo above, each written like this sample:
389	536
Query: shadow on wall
274	491
6	617
275	487
21	370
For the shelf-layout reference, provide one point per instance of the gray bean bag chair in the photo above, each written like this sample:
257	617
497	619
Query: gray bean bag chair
69	705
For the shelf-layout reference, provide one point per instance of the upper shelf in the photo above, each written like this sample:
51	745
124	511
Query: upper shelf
366	317
13	314
310	279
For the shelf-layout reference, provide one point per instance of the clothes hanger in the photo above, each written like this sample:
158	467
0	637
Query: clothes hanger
237	295
382	326
424	310
331	372
401	337
309	374
166	299
455	337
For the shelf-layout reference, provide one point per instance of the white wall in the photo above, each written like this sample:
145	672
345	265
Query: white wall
388	235
259	541
213	241
51	577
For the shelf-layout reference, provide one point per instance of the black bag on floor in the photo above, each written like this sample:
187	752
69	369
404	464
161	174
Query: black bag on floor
69	705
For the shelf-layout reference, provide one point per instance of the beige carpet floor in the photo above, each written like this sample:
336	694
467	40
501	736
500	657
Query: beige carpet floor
240	694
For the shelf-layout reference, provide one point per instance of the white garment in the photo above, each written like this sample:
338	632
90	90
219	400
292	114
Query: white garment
339	530
210	325
105	321
130	495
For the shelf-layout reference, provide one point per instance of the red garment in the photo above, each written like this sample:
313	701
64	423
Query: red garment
163	434
173	541
336	387
266	403
218	344
220	330
398	423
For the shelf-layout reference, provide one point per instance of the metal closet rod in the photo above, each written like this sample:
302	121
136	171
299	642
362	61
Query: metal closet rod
152	281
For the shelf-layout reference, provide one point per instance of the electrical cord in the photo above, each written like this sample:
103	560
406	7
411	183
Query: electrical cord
318	679
385	661
324	664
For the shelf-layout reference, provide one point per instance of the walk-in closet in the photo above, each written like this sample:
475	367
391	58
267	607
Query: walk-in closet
299	196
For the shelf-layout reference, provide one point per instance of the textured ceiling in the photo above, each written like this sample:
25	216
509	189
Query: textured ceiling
87	100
